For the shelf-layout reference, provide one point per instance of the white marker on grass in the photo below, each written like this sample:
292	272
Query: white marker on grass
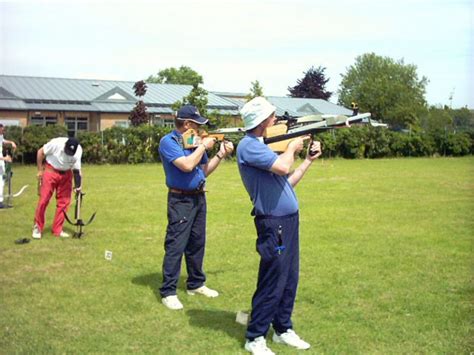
108	255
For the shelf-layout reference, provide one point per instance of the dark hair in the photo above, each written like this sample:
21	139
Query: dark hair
179	123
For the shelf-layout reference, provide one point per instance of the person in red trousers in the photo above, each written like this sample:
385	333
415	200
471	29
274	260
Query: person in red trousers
58	162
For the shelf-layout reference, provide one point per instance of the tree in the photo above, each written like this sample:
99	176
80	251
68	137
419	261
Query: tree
197	97
463	119
437	119
139	116
388	89
183	76
140	88
312	85
255	90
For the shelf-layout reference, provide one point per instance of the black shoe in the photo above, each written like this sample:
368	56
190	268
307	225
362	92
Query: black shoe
22	241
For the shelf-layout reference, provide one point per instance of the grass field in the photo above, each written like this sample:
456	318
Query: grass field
386	264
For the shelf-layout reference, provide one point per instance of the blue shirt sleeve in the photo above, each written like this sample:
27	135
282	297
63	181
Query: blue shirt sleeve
258	155
204	158
170	150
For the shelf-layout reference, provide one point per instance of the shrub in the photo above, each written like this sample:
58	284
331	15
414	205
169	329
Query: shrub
351	142
458	144
135	145
329	144
377	142
93	150
34	137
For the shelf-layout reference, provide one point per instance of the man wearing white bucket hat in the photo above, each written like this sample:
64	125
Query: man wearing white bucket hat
269	181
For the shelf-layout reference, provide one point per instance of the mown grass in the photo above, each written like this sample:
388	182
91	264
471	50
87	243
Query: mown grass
386	264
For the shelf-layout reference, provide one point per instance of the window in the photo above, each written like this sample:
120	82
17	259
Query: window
123	124
76	124
9	122
43	120
163	122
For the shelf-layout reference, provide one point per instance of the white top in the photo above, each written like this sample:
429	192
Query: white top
58	159
2	162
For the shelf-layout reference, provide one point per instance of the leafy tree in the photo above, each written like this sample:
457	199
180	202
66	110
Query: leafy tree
437	119
140	88
389	89
312	85
463	119
197	97
183	75
139	116
255	90
440	121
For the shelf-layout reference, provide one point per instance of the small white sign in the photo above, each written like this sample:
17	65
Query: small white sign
108	255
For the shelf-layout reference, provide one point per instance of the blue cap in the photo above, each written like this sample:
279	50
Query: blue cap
190	112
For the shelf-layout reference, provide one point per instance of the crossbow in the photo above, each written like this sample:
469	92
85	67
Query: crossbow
279	135
8	179
79	223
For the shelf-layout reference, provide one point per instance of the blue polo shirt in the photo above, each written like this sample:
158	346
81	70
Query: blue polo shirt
171	148
271	194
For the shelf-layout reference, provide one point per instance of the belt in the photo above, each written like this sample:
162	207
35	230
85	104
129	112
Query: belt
269	216
186	192
51	168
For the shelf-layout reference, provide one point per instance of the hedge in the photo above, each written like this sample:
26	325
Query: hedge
140	144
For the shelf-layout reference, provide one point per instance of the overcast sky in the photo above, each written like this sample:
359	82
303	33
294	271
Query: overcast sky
232	43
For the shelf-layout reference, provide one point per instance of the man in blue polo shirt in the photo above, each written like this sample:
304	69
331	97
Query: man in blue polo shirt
186	171
269	181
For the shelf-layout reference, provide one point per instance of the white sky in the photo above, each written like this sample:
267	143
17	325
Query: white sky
232	43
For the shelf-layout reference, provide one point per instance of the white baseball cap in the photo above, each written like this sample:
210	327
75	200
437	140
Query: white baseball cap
255	112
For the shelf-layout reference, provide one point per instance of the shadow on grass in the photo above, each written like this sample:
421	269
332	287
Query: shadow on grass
217	320
154	281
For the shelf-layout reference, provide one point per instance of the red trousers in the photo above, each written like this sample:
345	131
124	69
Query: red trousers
62	184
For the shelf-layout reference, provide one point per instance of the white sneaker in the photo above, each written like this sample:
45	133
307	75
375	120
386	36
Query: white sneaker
292	339
258	346
63	234
36	232
205	291
172	302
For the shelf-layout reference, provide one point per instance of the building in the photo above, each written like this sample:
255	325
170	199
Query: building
293	106
95	105
90	105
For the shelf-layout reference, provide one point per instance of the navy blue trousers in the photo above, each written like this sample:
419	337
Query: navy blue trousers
185	234
273	301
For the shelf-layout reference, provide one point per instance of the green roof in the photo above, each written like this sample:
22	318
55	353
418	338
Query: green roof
33	93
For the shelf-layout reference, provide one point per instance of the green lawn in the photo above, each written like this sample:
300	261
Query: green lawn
386	264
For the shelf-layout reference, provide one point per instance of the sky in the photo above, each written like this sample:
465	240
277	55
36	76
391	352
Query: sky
233	43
